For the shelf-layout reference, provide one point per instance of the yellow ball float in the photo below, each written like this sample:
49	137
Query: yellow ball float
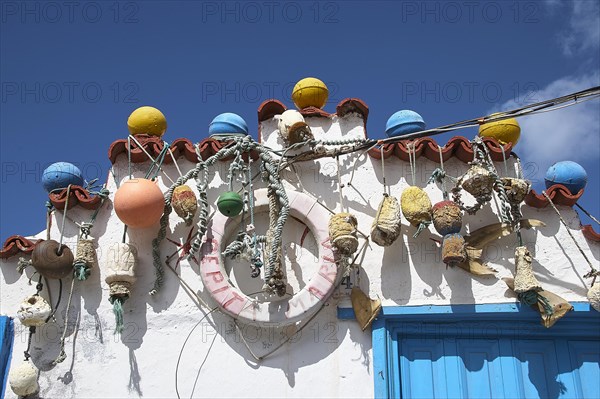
147	120
505	131
310	92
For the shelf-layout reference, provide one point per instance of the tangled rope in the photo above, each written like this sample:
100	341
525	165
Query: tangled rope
274	280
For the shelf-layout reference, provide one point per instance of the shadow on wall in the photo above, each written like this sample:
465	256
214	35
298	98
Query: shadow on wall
276	348
395	272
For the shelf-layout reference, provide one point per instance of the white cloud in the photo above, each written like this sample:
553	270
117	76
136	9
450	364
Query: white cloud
571	133
583	31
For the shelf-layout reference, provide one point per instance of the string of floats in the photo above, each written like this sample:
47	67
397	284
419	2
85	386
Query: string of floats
317	151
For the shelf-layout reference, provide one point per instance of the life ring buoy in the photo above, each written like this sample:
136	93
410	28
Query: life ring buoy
286	311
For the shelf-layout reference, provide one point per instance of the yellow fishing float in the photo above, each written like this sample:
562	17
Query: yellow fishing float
310	92
505	131
147	120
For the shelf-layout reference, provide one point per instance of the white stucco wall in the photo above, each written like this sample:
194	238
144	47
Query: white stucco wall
328	358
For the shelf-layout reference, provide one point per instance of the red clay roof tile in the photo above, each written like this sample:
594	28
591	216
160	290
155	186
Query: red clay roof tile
558	193
78	196
17	244
589	233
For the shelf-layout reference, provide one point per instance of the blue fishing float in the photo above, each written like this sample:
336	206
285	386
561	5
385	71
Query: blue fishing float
228	124
60	175
404	122
568	173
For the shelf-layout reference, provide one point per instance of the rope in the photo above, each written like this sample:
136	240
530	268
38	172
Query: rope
22	264
49	208
200	174
256	260
60	286
62	355
505	208
150	174
154	161
341	186
385	189
117	302
587	213
593	273
531	298
531	109
26	353
183	347
519	166
39	286
412	155
356	162
129	155
438	176
174	161
444	190
62	228
504	160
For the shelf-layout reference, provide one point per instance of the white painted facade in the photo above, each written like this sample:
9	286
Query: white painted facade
327	358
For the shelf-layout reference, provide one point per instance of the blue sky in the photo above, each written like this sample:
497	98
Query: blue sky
72	72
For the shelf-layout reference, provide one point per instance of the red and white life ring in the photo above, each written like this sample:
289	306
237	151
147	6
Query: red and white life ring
305	302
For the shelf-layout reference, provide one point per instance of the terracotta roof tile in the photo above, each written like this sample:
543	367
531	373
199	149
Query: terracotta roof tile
17	244
152	144
459	147
558	193
352	105
78	196
270	108
179	147
589	233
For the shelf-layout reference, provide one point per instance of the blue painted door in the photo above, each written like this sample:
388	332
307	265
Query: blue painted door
499	368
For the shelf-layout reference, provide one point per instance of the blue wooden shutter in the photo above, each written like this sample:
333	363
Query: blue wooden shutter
6	341
501	354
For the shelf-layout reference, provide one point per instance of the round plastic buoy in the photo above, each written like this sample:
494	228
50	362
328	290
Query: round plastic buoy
139	203
505	131
568	173
404	122
228	123
230	203
310	92
147	120
60	175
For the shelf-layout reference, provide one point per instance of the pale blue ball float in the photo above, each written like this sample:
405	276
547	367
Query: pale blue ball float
228	123
404	122
568	173
60	175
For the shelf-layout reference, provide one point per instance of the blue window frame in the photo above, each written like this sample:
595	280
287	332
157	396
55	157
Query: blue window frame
484	351
6	342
